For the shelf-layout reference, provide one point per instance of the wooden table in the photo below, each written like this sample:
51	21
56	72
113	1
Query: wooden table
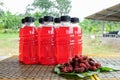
11	69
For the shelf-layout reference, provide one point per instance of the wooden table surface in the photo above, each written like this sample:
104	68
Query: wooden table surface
11	69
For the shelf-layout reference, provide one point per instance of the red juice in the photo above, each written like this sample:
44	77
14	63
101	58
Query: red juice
62	40
77	41
62	44
77	31
28	44
20	46
41	22
46	46
39	40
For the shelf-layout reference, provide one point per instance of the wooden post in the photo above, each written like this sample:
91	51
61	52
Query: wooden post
102	27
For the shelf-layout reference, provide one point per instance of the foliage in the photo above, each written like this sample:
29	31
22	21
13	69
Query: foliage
37	15
90	26
50	7
2	24
95	27
63	7
1	14
10	21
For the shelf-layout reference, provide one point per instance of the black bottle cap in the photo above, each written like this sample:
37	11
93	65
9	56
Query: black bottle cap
74	20
57	20
48	18
41	20
65	18
29	19
23	21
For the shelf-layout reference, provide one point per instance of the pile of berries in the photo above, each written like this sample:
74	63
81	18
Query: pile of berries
80	64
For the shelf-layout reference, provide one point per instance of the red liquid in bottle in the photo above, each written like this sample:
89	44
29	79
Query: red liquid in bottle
20	47
62	44
77	32
28	45
77	41
46	47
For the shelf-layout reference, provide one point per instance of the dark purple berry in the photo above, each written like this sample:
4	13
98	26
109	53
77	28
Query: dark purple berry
92	63
79	70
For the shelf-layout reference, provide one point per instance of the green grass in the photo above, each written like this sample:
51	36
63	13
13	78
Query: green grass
9	45
8	35
95	47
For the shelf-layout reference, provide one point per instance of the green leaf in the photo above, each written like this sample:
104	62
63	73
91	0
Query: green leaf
94	72
57	70
80	75
106	69
73	74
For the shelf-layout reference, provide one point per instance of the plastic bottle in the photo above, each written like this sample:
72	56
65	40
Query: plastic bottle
28	42
20	47
41	23
57	22
46	42
62	40
77	36
23	22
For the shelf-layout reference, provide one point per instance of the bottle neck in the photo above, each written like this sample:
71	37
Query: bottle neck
29	24
48	24
64	23
56	25
75	24
40	25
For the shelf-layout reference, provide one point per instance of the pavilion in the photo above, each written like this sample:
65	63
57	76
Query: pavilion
109	14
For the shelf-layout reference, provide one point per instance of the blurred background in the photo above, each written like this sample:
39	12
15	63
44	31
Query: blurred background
12	11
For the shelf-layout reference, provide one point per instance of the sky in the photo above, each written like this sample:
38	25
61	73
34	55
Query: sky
80	8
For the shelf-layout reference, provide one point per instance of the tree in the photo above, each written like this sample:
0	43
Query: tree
90	26
11	21
29	8
63	7
2	24
50	7
42	6
1	16
37	15
94	26
1	4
